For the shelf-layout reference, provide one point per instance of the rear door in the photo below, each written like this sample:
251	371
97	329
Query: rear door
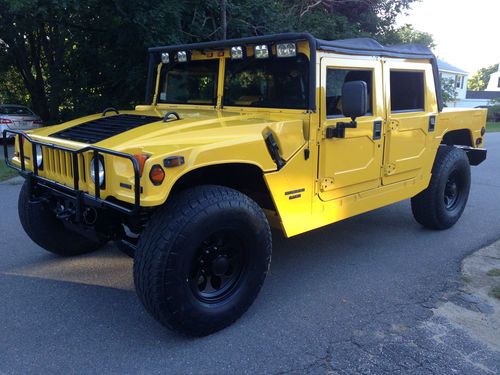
351	164
411	107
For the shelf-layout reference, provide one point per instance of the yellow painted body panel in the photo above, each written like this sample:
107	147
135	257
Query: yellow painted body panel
337	179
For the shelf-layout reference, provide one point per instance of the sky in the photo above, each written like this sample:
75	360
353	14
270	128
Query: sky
466	32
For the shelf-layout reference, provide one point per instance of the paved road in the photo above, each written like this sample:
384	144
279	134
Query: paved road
354	297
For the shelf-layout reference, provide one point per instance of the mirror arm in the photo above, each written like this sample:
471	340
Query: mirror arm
338	131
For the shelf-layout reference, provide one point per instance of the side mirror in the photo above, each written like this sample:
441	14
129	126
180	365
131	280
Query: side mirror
354	99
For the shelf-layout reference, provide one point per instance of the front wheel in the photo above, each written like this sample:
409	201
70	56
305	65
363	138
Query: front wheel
202	259
42	226
443	202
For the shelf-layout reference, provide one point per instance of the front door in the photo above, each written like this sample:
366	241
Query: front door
351	164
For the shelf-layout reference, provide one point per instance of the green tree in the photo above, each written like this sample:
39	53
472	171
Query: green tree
73	57
449	90
479	80
407	34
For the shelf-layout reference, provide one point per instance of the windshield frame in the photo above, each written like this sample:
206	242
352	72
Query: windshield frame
220	49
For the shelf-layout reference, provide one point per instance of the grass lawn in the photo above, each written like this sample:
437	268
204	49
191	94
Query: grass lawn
493	127
6	172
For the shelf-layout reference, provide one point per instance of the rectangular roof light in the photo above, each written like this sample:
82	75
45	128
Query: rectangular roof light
182	56
261	52
165	58
236	52
286	50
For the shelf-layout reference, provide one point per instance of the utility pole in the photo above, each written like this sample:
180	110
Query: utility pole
223	7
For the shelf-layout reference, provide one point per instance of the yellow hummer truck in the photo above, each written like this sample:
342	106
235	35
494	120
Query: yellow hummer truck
236	136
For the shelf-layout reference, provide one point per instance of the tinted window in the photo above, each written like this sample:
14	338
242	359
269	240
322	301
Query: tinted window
273	82
335	78
407	91
193	82
14	110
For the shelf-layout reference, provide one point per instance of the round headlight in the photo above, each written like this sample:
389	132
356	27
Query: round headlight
100	167
39	156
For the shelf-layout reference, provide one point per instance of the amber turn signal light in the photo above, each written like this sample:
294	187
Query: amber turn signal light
141	159
157	174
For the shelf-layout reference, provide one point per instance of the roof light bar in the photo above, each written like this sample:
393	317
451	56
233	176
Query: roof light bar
236	52
261	51
286	50
165	58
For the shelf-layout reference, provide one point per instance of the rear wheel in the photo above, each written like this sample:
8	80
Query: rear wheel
202	259
443	202
42	226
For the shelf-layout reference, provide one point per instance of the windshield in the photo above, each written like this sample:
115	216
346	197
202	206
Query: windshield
274	83
193	82
14	110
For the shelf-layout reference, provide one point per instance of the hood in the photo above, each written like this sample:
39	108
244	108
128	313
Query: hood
147	132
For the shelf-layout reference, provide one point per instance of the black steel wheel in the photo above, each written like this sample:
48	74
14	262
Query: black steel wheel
452	191
443	202
217	267
202	259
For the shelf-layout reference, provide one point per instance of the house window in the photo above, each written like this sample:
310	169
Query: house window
335	78
457	81
407	91
498	82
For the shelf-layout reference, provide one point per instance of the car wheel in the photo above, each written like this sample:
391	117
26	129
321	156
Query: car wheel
202	259
50	233
443	202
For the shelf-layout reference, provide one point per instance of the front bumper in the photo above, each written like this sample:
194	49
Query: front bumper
79	198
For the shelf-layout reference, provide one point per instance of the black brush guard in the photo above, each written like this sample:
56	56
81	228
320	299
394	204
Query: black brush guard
79	198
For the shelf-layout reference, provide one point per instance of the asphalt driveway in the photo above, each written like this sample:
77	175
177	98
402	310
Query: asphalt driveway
354	297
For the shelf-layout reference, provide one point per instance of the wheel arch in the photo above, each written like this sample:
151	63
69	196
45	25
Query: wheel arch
458	137
244	177
463	138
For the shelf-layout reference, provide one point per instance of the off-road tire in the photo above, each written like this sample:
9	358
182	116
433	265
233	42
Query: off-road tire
168	248
48	232
429	207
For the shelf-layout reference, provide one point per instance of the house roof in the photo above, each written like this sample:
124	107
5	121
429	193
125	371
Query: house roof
443	65
482	94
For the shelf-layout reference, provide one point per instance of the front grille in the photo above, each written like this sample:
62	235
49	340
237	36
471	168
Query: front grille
58	166
103	128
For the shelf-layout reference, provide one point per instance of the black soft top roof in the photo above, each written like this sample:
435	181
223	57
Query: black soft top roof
367	46
357	46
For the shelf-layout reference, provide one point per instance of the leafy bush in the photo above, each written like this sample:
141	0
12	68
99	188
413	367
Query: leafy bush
494	113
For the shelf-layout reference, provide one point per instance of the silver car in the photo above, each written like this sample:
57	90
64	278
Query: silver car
17	117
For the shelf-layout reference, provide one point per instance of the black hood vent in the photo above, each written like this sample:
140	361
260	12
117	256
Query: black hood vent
103	128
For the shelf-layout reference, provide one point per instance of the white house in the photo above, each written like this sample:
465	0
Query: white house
456	75
494	83
468	98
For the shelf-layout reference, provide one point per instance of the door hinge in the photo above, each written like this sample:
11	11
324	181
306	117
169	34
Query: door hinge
393	125
326	183
390	168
